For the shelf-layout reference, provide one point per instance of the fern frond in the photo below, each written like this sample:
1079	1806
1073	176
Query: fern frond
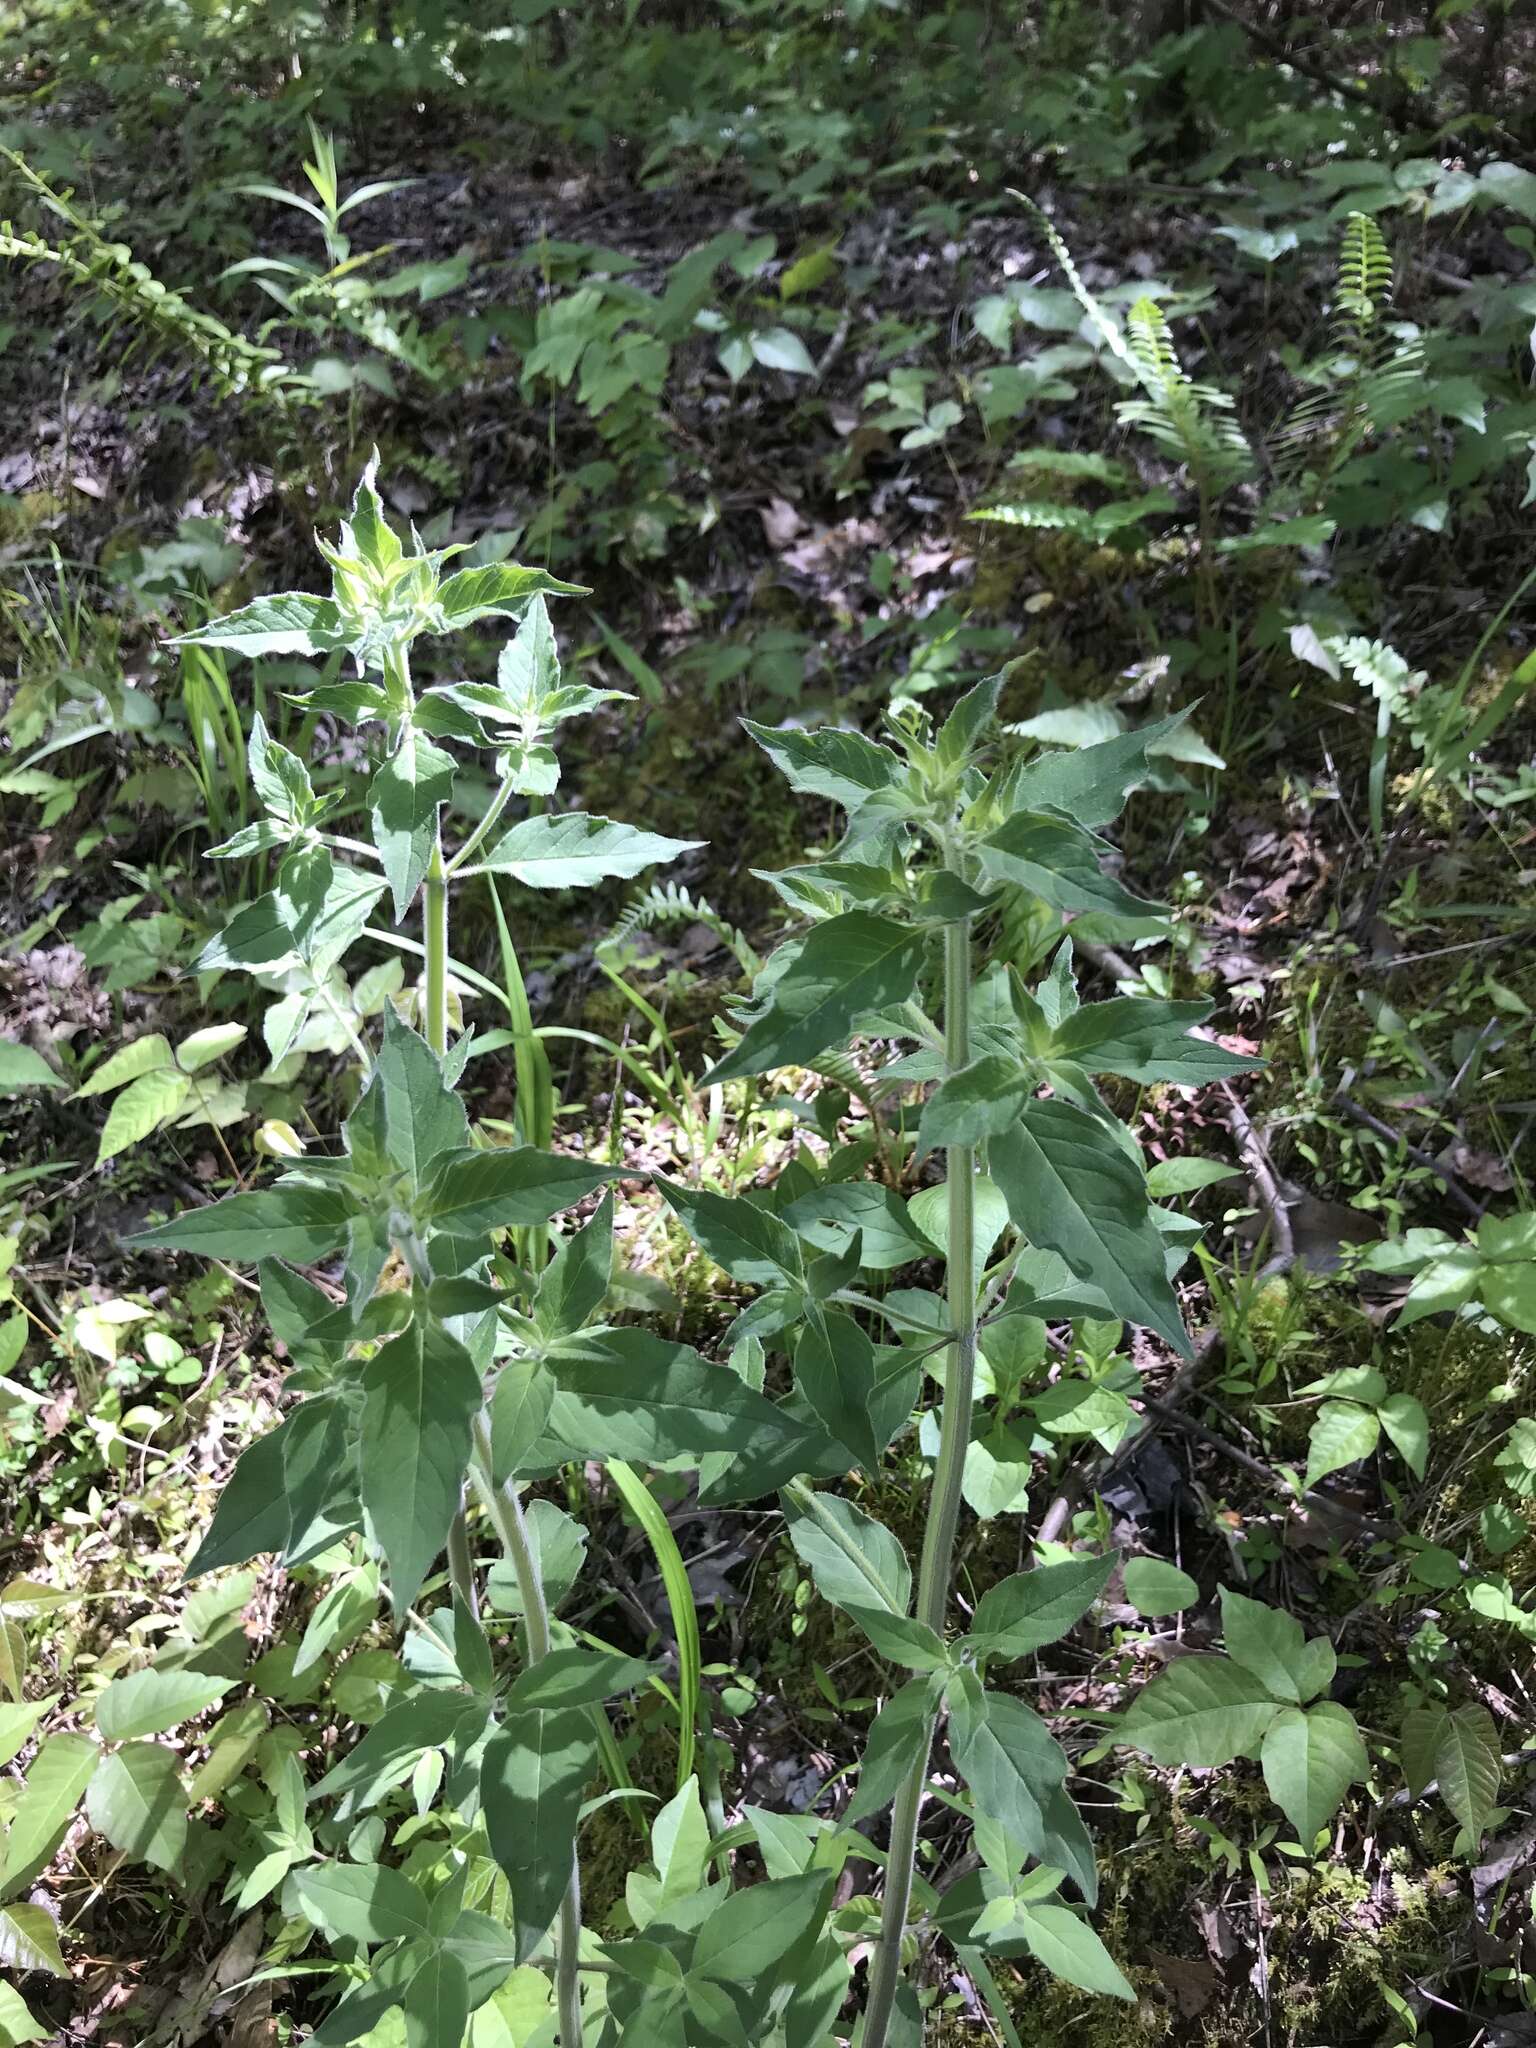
1371	376
111	272
1193	421
668	903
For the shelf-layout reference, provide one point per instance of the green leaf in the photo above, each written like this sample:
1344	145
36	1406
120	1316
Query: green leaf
252	1515
902	1639
841	767
629	1394
17	1723
573	1677
366	1902
21	1067
576	851
1089	786
422	1117
1146	1040
1059	864
29	1940
1469	1764
279	777
748	1241
1069	1948
1070	1188
142	1107
574	1285
1008	1757
1310	1761
1264	1640
1155	1588
203	1047
297	1223
855	1560
144	1056
981	1101
290	623
1407	1426
532	1777
149	1702
1423	1726
1184	1175
899	1738
55	1779
756	1928
520	1403
780	348
17	2026
1203	1711
436	2002
1343	1434
829	1218
1030	1609
845	968
403	801
137	1800
836	1371
507	1188
499	590
420	1394
404	1731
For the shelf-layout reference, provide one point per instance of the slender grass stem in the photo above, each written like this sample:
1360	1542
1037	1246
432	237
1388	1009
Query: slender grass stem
944	1504
504	1505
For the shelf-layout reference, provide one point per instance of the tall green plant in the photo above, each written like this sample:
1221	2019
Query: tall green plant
459	1357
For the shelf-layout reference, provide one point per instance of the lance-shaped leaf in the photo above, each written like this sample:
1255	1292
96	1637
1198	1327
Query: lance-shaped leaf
576	851
252	1515
756	1928
1310	1760
836	1370
436	2002
508	1188
899	1739
55	1779
290	623
855	1560
574	1285
573	1677
1059	864
1030	1609
499	590
1203	1711
420	1394
977	1103
302	1224
532	1777
1071	1188
831	1217
1145	1040
1007	1756
1069	1948
1091	784
149	1702
747	1240
842	767
629	1394
429	1719
422	1118
842	970
403	801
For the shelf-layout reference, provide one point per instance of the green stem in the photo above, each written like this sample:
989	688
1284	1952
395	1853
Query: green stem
477	838
944	1502
435	934
505	1508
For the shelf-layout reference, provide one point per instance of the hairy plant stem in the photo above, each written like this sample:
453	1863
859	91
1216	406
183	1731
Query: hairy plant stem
504	1505
944	1501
